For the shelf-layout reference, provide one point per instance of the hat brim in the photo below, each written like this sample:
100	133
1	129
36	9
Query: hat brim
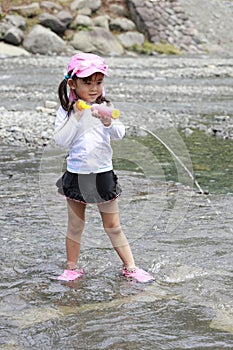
89	71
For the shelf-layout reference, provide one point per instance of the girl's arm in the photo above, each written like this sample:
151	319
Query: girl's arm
116	130
65	128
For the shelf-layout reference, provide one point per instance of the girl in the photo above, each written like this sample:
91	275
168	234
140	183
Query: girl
89	177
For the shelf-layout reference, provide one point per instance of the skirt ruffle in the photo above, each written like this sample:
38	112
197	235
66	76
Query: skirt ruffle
89	188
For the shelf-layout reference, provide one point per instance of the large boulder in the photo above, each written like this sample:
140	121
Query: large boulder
129	39
99	41
43	41
10	50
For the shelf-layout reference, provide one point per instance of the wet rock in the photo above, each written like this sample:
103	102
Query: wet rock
44	41
99	41
52	22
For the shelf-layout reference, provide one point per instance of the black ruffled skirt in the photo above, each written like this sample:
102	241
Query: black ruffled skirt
89	188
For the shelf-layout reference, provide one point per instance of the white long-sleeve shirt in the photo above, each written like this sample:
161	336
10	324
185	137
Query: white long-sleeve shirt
88	141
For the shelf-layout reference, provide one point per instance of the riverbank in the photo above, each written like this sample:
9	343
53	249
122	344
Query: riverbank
183	92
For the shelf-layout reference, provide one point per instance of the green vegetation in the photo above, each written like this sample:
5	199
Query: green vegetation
148	48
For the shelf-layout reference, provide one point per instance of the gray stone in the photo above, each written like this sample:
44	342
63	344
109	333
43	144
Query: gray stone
85	11
10	50
118	10
94	5
122	24
4	27
14	36
16	21
65	17
44	41
52	22
129	39
49	5
165	20
27	10
77	4
102	21
99	41
82	21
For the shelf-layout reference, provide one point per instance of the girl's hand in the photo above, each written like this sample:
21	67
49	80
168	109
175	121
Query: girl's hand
105	120
77	112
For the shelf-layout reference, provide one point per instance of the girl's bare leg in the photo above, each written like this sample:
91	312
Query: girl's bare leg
76	223
110	216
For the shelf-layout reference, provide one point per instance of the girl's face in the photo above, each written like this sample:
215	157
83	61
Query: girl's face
90	88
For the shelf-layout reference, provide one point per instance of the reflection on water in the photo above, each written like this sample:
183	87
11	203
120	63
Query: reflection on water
188	307
211	160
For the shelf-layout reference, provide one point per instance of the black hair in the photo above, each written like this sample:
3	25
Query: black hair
63	94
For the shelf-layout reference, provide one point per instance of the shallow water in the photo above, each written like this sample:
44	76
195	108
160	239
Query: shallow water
182	237
188	307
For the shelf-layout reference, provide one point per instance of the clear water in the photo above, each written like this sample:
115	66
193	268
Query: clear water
188	307
182	237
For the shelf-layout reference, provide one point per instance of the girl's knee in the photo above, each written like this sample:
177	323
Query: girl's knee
75	231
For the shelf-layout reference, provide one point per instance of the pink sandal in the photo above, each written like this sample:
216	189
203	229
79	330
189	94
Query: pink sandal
137	275
70	275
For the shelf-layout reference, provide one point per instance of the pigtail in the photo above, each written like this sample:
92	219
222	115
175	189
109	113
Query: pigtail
63	96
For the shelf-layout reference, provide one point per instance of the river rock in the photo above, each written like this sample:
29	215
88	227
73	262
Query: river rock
121	24
14	36
82	21
99	41
52	22
9	22
130	39
118	10
27	10
16	21
51	6
94	5
65	17
85	11
102	21
10	50
44	41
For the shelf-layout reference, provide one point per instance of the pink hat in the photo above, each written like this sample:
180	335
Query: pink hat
85	64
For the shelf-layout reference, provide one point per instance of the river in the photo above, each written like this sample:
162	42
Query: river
176	210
